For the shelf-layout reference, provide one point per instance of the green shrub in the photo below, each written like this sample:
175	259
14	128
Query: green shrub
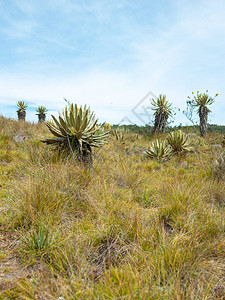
75	132
179	141
159	150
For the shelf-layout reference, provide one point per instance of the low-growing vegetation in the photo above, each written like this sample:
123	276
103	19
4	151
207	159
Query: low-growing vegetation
159	150
75	133
126	227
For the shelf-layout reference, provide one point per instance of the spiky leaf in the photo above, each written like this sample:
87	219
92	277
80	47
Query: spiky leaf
179	141
159	150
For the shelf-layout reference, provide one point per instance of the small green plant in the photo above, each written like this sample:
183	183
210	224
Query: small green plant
41	113
21	111
179	141
75	132
39	239
159	150
218	167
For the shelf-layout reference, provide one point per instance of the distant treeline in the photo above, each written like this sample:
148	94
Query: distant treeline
147	129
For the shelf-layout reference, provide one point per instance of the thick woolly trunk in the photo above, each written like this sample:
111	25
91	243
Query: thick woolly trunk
87	158
160	122
41	118
203	115
21	115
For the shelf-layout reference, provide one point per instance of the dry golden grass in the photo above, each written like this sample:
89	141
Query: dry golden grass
126	228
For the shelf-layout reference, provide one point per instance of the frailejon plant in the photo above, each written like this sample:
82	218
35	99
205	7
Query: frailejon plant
21	112
119	135
162	112
179	141
41	113
159	150
201	102
75	132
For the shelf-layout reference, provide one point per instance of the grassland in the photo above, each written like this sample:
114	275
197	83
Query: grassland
126	228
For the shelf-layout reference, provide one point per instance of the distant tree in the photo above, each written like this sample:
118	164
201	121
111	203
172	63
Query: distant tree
189	112
162	112
200	101
41	112
21	112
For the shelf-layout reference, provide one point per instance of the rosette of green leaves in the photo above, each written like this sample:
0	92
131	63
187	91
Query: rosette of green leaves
201	100
21	105
76	128
161	105
179	141
41	110
159	150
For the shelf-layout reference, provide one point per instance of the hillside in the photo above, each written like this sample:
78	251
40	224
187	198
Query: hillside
127	227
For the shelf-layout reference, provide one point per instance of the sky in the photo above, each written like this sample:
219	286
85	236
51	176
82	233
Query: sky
112	55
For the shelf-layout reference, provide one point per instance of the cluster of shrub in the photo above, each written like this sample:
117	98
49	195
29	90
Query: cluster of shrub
147	129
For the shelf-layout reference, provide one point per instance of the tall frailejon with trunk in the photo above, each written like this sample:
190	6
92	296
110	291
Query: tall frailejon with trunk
162	112
41	113
200	101
21	112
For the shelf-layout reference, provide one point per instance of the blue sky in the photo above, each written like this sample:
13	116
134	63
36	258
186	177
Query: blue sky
110	54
